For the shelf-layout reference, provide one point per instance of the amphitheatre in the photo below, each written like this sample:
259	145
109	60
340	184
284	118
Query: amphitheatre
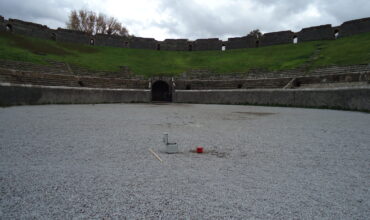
283	120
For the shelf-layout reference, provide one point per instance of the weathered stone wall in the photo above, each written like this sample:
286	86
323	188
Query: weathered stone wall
353	27
350	99
110	40
242	42
29	29
143	43
207	44
69	36
37	95
323	32
175	44
2	23
275	38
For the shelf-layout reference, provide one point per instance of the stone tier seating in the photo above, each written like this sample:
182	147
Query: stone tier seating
31	78
258	74
42	79
54	67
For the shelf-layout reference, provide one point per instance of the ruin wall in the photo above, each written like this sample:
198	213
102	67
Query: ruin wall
323	32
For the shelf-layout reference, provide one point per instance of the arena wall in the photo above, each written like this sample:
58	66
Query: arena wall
36	95
323	32
344	98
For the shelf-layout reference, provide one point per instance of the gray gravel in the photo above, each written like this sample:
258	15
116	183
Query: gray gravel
92	162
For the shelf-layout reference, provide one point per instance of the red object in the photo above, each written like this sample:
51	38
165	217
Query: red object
199	149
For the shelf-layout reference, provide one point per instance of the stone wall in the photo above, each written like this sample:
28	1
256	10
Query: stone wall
2	23
29	29
69	36
349	99
143	43
275	38
353	27
37	95
175	45
110	41
323	32
207	44
242	42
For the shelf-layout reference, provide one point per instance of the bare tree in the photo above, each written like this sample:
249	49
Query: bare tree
74	21
91	23
255	33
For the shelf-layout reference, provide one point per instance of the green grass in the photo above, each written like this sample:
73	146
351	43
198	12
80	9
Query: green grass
345	51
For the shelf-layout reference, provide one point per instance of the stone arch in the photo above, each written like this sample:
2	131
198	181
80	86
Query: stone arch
53	36
223	47
161	91
9	28
295	39
336	33
190	47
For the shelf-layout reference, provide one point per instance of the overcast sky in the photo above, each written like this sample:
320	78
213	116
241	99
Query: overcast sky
194	19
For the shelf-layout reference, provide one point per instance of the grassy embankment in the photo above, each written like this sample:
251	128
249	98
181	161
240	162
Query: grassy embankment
345	51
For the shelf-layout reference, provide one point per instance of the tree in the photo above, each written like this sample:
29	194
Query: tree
255	33
91	23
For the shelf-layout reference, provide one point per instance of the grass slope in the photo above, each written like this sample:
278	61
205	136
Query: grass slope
345	51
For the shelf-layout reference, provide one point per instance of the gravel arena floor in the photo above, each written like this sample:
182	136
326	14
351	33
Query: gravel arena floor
93	162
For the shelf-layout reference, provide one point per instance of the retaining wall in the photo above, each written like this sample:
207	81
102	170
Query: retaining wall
37	95
344	98
349	99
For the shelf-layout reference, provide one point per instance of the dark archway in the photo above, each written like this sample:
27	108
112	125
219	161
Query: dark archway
9	28
295	39
336	33
223	47
161	92
53	36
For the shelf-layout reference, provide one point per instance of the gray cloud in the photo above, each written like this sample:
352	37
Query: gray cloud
194	19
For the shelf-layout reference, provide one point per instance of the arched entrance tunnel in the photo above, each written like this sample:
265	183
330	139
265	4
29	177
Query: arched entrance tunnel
161	91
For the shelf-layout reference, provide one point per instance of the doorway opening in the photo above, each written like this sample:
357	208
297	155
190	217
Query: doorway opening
161	92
